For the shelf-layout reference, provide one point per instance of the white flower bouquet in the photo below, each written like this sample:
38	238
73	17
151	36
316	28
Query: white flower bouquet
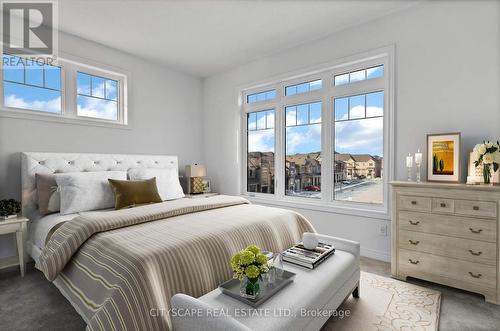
487	154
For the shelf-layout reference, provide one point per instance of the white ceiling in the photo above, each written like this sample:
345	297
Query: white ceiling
206	37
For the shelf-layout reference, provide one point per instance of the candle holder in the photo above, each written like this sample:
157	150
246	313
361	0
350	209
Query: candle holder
418	163
418	172
409	165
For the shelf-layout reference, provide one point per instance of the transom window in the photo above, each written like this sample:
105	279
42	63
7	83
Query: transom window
31	85
261	96
97	96
303	87
321	141
359	75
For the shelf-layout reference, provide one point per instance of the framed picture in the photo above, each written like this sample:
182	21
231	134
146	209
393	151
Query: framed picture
443	157
206	186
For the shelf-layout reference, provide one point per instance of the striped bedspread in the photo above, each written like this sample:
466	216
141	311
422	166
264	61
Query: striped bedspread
119	269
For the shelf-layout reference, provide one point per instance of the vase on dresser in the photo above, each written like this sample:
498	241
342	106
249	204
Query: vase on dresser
487	174
447	234
487	155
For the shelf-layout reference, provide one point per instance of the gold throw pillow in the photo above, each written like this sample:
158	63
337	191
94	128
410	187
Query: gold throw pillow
133	193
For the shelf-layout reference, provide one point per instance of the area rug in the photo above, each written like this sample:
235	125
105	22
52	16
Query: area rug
387	304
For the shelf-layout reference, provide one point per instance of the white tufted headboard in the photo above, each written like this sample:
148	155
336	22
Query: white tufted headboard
50	163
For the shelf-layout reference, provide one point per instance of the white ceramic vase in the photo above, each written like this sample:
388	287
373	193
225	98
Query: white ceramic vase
310	240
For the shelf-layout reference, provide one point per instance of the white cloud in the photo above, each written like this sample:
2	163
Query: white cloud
361	136
53	106
97	108
303	139
357	112
261	141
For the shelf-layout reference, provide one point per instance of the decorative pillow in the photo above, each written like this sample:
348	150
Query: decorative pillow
84	191
49	199
167	180
131	193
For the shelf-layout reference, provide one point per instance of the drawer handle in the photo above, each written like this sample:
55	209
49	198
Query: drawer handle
413	202
414	242
475	207
475	231
414	223
475	276
413	262
443	204
475	253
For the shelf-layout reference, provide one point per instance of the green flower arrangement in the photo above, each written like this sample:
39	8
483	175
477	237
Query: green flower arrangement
248	266
250	263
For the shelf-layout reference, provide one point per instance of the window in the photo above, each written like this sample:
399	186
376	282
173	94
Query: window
303	88
359	75
31	85
303	150
67	91
359	147
327	140
260	154
97	97
261	96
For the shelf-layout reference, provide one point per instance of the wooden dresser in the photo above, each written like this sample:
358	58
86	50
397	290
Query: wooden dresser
448	234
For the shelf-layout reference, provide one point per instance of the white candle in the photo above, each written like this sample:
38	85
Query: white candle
409	161
418	157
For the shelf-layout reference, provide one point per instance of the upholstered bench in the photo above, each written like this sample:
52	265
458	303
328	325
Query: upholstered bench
305	304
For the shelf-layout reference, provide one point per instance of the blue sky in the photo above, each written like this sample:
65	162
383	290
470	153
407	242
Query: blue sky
47	97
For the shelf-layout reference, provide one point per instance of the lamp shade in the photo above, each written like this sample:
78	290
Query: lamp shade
196	170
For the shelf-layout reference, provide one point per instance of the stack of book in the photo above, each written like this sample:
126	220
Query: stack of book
308	258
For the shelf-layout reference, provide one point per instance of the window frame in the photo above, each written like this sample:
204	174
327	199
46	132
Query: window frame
326	95
69	65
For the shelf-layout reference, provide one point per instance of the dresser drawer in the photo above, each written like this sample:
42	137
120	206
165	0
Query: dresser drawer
420	264
456	226
476	208
415	203
464	249
443	205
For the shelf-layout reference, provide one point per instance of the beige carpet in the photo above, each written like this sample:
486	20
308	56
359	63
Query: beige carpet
388	304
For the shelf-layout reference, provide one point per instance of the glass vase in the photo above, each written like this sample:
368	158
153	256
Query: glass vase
250	288
487	173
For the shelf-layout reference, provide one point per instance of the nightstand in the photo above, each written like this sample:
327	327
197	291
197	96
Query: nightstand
17	226
201	195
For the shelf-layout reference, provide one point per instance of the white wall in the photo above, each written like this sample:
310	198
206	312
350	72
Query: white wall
447	80
164	109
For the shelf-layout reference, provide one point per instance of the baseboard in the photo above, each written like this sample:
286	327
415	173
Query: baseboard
375	254
6	262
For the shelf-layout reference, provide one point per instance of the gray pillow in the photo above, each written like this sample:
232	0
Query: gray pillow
167	180
84	191
48	196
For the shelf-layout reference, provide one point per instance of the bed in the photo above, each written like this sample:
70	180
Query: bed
115	267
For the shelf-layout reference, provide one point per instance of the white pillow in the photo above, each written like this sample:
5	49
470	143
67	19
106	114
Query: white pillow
84	191
167	180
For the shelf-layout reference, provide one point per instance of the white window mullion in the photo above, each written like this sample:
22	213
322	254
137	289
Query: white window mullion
327	176
279	154
69	90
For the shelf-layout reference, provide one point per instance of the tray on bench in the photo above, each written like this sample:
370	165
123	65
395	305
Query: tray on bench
232	288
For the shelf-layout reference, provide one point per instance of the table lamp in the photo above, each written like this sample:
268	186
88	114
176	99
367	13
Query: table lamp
196	172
